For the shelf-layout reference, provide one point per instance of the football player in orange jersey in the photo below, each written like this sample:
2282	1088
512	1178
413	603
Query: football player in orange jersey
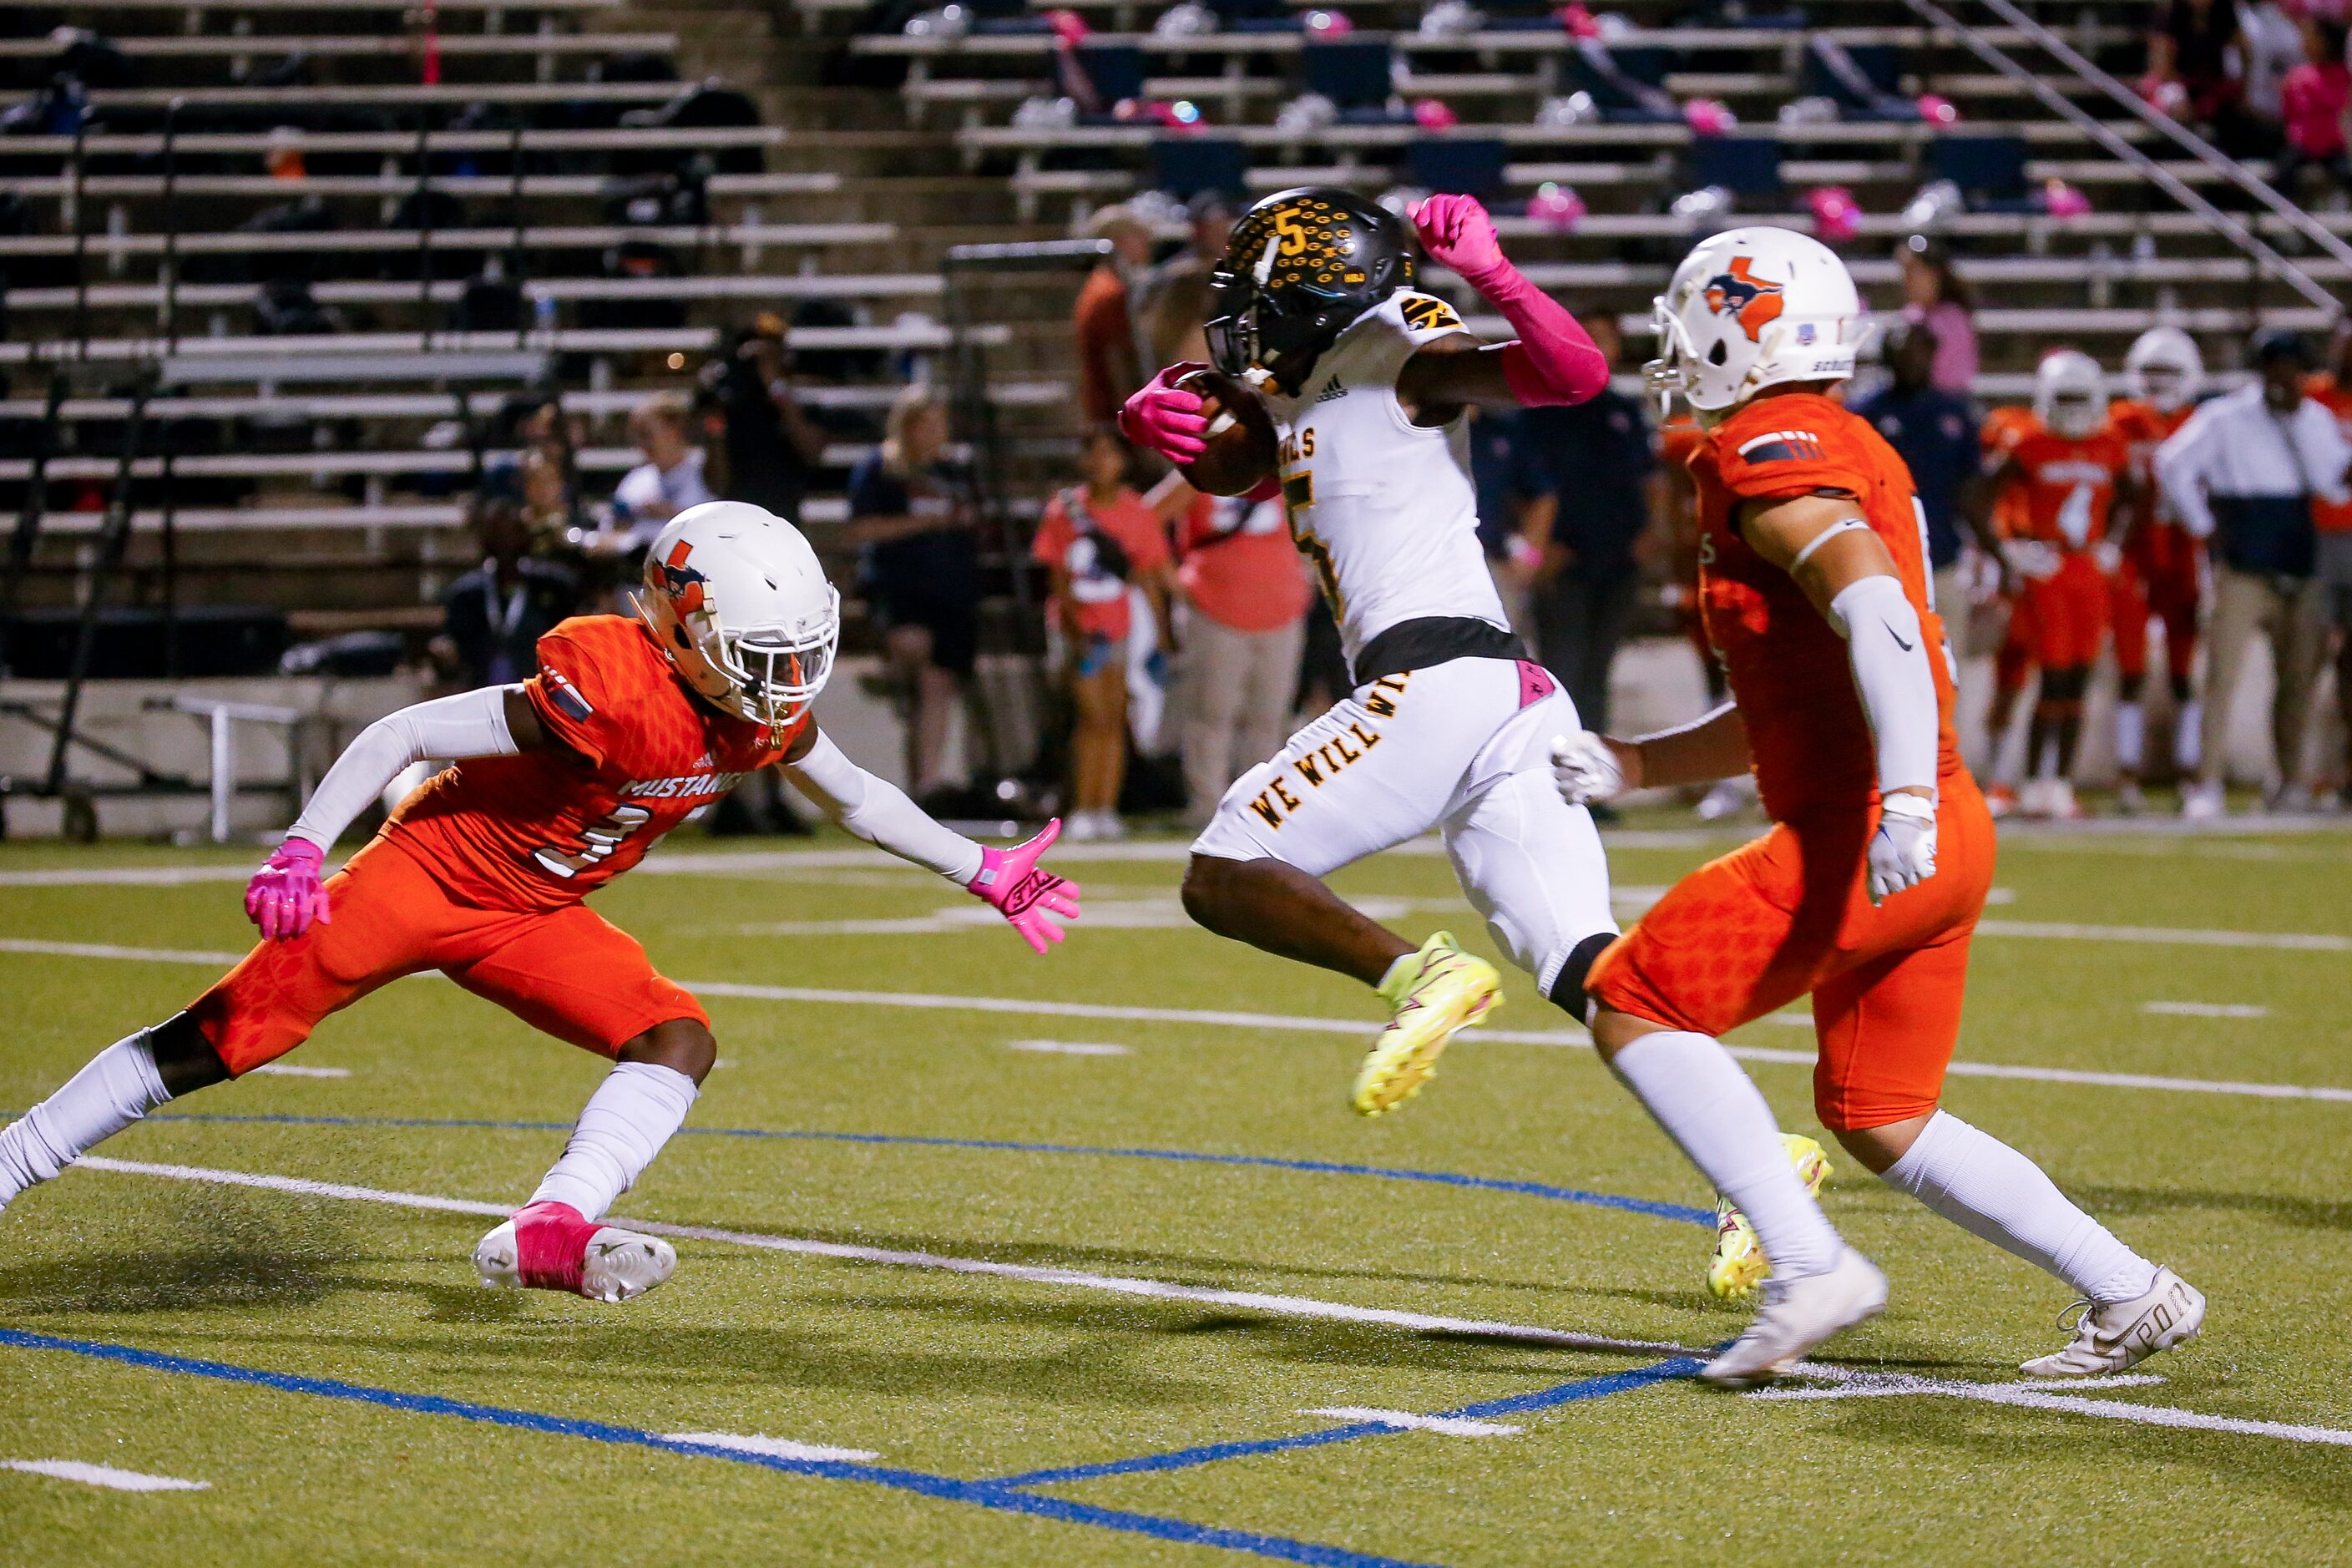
2072	477
2162	566
1868	888
2003	519
561	782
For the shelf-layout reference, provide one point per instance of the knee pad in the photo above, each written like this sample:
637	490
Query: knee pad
1567	990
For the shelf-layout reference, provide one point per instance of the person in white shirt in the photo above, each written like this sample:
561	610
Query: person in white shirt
670	478
2243	473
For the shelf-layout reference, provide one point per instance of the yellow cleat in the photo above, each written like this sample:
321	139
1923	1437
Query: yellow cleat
1738	1264
1436	993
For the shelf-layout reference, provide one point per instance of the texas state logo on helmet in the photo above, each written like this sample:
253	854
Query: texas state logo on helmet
1752	308
737	601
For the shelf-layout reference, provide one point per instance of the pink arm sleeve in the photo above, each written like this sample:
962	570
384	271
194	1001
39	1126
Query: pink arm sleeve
1555	360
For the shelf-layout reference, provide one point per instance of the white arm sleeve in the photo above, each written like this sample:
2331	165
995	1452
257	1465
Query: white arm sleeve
1888	649
470	724
880	812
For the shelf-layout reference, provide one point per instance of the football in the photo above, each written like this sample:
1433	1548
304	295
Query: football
1241	435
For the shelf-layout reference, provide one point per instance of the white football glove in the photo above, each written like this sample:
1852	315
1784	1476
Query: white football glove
1903	850
2030	558
1585	768
2109	556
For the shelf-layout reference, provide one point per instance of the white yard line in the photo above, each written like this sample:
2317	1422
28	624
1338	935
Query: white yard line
2205	1009
776	1448
1844	1378
1070	1048
1406	1421
105	1476
296	1069
2168	936
2040	1396
1280	1023
1157	1289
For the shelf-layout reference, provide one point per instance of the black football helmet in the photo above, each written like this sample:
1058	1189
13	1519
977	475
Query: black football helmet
1301	265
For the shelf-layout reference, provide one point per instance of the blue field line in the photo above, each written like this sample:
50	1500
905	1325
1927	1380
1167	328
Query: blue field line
1683	1212
1513	1404
992	1495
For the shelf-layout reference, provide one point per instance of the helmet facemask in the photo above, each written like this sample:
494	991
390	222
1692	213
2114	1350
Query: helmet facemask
764	675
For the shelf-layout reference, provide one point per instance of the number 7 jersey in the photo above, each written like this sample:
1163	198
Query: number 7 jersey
635	754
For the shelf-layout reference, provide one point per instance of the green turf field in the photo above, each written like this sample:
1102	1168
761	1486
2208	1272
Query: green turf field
1192	1251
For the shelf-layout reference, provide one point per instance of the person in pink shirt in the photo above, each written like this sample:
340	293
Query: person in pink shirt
2314	97
1242	580
1934	293
1099	540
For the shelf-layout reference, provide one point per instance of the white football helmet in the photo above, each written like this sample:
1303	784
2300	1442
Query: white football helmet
2164	369
735	597
1751	308
2070	392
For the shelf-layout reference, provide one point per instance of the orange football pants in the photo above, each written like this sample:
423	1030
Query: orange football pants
2068	613
1789	914
568	972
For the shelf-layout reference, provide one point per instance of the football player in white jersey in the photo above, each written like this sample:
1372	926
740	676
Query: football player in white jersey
1367	380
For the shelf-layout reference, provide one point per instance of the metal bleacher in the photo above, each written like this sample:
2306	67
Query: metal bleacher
135	241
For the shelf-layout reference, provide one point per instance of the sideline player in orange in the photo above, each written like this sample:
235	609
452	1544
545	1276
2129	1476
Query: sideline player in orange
2013	664
1868	886
564	782
2071	477
2162	572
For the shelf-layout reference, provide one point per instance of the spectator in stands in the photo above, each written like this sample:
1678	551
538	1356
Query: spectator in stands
1177	302
1108	368
1935	433
670	478
911	514
772	447
2270	44
2195	57
1935	295
1514	487
1098	540
1607	493
493	615
2314	98
1246	590
2243	472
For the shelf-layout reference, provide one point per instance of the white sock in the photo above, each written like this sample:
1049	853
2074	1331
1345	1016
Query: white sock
118	1086
2131	736
627	1120
1714	1113
2188	735
1990	1189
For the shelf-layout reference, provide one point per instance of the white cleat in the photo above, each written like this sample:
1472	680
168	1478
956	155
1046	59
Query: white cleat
1797	1316
602	1262
2113	1336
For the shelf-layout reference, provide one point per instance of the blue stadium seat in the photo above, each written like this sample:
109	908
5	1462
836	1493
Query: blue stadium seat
1623	83
1863	79
1989	170
1746	167
1354	74
1465	166
1115	70
1182	165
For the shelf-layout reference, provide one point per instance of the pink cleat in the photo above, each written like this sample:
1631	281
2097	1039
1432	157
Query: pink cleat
548	1246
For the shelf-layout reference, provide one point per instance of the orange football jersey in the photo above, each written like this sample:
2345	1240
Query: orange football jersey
2066	486
2144	427
1787	669
639	754
2332	517
2003	428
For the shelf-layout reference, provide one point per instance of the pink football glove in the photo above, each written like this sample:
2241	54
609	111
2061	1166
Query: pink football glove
1457	232
284	897
1164	417
1009	880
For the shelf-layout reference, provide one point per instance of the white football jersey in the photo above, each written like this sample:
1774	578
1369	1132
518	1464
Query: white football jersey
1384	508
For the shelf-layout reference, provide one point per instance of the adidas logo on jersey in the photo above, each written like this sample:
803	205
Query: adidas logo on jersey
1337	389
